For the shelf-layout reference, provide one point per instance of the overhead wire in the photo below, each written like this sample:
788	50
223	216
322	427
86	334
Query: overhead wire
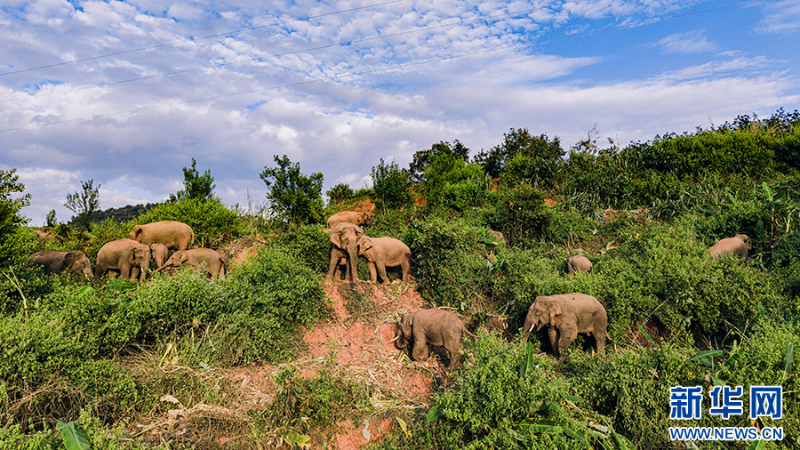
386	69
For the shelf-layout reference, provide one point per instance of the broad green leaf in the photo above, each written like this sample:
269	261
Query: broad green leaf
86	290
704	357
433	414
718	381
72	436
757	445
641	328
121	285
527	365
622	442
572	398
541	426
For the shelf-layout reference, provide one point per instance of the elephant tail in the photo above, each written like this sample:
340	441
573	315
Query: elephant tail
467	332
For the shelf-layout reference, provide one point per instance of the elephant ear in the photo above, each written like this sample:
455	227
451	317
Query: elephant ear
335	239
364	243
184	258
70	258
406	323
555	311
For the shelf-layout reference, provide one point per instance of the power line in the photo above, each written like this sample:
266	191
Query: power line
385	69
180	41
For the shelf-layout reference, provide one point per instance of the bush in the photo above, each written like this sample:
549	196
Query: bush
308	243
520	214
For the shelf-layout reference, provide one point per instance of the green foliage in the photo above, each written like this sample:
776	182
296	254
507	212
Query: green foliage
424	158
212	222
450	182
340	193
520	214
84	204
51	221
309	244
122	214
294	197
391	185
524	158
266	299
195	186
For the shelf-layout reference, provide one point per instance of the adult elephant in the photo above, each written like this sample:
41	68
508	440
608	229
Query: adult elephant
360	218
565	316
345	238
175	235
63	262
199	258
126	256
431	327
739	245
578	263
385	252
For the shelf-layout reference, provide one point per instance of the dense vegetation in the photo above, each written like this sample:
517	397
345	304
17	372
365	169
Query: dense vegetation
644	214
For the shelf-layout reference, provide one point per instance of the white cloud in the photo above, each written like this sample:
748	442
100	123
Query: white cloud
781	17
689	42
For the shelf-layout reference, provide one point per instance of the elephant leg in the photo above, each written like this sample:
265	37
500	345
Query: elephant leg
112	274
452	349
552	333
406	268
135	272
382	272
420	351
334	265
373	274
567	334
600	339
125	271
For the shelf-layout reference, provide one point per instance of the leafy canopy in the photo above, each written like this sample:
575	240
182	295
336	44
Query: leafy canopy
392	186
294	197
195	186
84	204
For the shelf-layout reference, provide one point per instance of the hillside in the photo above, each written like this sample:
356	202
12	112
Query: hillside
275	356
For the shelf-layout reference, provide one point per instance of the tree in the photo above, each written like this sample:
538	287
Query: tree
51	219
391	185
9	207
340	193
424	158
84	204
293	196
200	187
522	157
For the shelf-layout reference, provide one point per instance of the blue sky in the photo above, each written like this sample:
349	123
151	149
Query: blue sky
127	92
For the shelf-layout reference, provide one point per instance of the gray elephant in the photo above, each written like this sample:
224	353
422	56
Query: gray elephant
431	327
739	245
345	238
199	258
382	252
126	256
175	235
63	262
578	263
565	316
160	253
360	218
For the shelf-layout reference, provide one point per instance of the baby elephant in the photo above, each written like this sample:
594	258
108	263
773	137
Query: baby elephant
578	263
739	245
60	262
200	258
565	316
431	327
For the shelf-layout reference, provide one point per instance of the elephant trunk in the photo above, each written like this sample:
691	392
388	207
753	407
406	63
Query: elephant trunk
352	259
400	340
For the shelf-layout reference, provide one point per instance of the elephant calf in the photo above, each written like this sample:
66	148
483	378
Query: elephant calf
199	258
126	256
739	245
385	252
565	316
578	263
63	262
431	327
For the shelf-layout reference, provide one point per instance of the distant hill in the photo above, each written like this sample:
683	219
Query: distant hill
123	214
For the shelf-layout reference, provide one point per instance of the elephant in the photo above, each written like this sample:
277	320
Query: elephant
59	262
382	252
360	218
739	245
200	258
175	235
431	327
578	263
565	316
160	253
345	238
126	256
42	234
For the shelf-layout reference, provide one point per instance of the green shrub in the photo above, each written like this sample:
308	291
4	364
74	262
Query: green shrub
110	389
308	243
520	214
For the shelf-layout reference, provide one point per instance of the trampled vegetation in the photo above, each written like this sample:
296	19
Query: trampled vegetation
104	357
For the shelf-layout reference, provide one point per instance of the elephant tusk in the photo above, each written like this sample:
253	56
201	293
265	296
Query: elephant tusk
531	328
395	338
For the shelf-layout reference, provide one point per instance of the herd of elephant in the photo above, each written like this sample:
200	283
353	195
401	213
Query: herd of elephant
565	315
130	258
